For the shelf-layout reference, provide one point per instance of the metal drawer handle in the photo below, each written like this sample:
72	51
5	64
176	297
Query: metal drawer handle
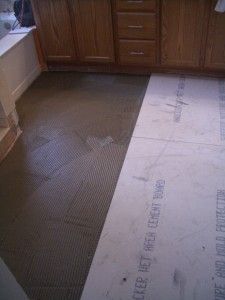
134	1
136	53
135	26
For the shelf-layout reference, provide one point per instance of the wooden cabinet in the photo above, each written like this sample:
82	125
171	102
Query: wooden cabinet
137	52
135	5
92	24
136	32
215	48
136	25
54	27
182	25
132	35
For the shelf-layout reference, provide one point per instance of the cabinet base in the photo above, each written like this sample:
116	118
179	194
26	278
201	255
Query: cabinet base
138	70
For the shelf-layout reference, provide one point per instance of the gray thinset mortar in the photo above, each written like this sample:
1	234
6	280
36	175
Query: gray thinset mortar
164	235
57	183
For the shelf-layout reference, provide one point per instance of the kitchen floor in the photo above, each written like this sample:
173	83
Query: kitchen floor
58	181
164	236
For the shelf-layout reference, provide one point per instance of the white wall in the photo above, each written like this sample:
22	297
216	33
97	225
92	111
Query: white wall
19	67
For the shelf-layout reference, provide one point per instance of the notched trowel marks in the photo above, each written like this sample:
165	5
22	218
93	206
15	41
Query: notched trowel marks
64	170
96	143
179	281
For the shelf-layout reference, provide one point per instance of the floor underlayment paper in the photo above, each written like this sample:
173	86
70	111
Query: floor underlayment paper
164	236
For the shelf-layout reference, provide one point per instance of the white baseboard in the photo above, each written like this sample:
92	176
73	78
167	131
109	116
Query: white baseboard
10	288
22	87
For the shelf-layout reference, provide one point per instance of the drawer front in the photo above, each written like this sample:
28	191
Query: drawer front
136	5
142	53
136	25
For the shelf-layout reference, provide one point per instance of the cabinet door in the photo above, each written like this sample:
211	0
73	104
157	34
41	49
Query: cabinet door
54	27
183	24
92	23
215	49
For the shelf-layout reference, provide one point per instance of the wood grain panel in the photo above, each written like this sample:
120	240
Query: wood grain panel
55	29
136	5
136	25
39	50
92	22
215	48
136	52
182	31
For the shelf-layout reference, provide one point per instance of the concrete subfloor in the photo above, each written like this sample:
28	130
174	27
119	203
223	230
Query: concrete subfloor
57	183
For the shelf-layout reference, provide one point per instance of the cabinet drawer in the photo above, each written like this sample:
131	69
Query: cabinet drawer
142	53
136	5
136	26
